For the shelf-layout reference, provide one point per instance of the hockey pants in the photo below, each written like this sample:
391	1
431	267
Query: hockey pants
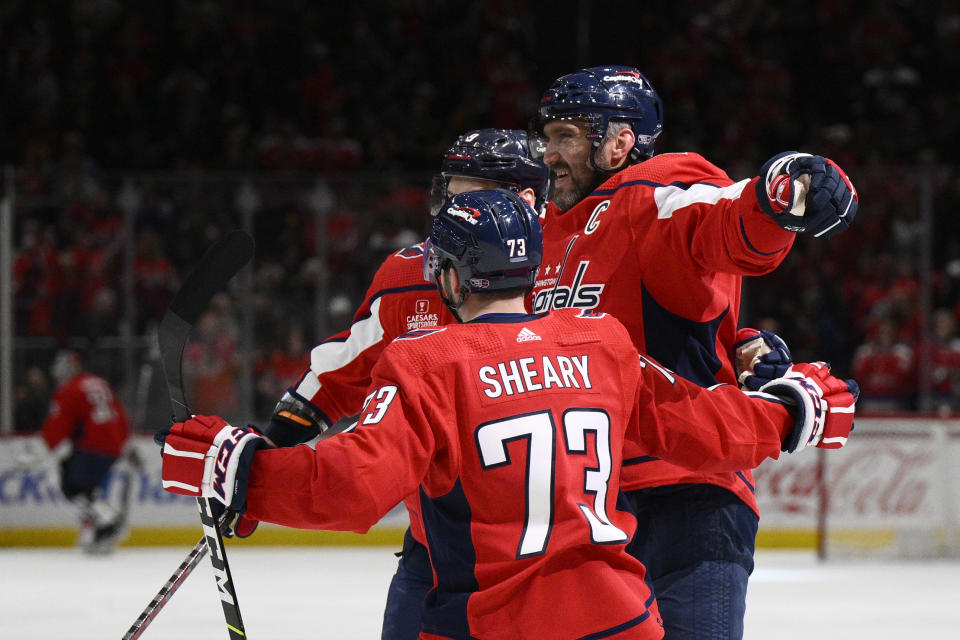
408	588
82	478
697	542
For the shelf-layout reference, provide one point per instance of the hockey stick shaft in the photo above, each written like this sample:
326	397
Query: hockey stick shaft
166	592
219	264
169	588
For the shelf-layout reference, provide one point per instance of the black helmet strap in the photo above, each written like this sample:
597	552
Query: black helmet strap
452	305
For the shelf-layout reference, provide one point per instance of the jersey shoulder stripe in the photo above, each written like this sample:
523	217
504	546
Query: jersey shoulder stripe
591	314
416	334
337	351
426	286
410	253
672	198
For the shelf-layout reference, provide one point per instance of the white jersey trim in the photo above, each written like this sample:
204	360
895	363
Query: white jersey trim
330	356
671	198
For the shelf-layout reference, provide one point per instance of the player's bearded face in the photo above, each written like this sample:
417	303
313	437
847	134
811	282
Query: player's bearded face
568	156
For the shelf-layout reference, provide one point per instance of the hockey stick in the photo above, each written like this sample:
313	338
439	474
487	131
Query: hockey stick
219	264
166	592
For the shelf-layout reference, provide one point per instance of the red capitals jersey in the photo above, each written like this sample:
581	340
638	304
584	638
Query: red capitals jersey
510	431
86	410
662	245
397	301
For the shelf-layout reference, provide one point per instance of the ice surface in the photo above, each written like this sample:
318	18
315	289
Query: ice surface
294	593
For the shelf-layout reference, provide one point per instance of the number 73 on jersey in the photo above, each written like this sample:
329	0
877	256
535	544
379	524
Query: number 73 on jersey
538	434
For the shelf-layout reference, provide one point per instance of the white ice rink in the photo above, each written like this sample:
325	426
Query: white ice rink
329	592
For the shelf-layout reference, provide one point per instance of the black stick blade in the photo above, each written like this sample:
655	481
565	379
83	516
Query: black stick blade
219	264
223	260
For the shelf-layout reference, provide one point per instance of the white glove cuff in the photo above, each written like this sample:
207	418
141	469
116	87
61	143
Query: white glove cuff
811	408
221	463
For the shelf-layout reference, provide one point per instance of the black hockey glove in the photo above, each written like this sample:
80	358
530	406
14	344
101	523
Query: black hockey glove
294	422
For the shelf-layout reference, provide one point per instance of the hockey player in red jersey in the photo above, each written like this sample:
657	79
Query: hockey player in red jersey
508	430
397	301
86	412
662	243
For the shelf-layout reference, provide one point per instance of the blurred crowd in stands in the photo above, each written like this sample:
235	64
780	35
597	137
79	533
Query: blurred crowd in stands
141	131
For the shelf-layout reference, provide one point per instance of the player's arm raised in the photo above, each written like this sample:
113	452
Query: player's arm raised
748	227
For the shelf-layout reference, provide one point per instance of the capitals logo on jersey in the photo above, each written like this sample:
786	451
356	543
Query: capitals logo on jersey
579	294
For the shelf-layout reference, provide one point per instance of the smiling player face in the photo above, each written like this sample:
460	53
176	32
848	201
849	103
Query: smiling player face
568	156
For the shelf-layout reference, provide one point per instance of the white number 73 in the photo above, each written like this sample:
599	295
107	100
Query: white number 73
518	247
538	430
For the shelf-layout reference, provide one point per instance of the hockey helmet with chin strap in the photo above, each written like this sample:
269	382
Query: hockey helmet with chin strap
499	155
599	95
492	238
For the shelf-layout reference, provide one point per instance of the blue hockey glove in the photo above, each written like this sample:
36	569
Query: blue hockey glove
807	193
759	357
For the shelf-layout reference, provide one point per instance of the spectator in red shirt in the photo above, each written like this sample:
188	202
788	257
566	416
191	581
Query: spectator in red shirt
884	367
155	278
943	358
36	280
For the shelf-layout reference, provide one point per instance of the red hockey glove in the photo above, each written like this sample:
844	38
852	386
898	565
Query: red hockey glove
824	405
803	192
759	357
207	458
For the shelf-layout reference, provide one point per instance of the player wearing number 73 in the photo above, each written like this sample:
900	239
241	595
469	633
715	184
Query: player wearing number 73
508	431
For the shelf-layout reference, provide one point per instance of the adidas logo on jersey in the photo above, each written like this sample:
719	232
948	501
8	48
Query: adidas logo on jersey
526	335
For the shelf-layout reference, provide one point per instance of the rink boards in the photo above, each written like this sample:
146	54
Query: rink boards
894	475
